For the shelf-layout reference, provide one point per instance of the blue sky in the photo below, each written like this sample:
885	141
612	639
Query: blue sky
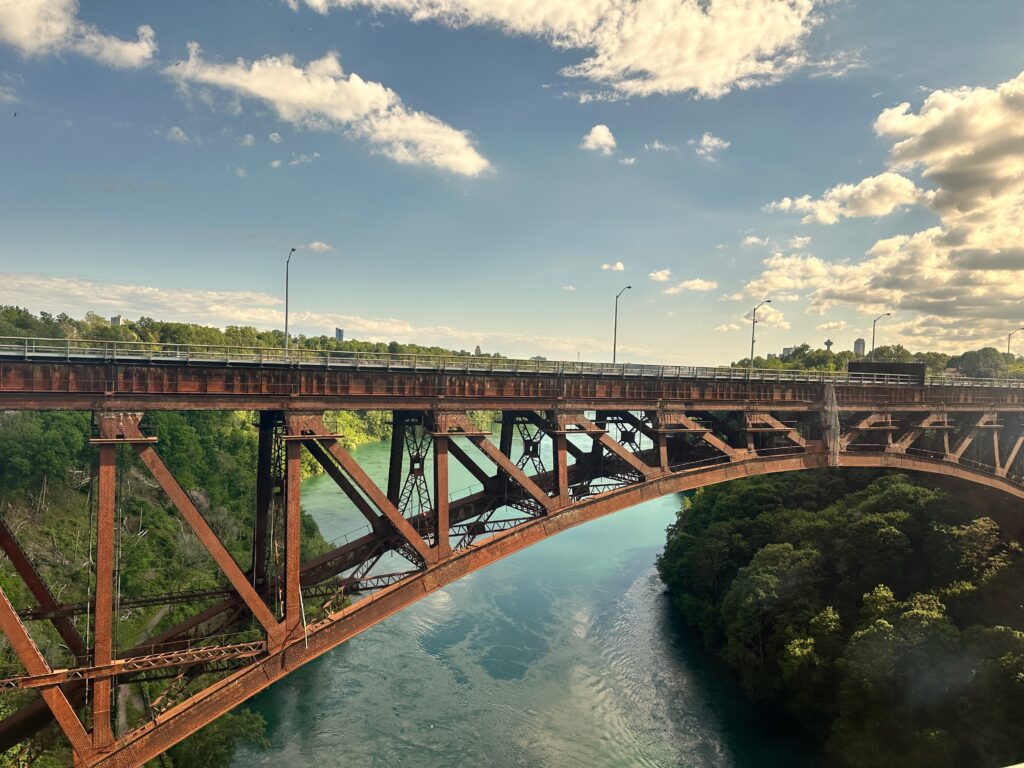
431	160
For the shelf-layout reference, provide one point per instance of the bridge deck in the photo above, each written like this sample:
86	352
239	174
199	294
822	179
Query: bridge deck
100	375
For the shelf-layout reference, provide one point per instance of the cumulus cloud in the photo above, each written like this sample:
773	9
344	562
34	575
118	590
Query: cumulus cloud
657	146
276	163
233	307
618	266
569	288
321	96
708	146
769	316
727	327
177	135
834	325
799	242
959	283
248	141
599	139
275	138
696	284
304	159
874	196
641	47
628	161
48	27
750	240
660	275
319	247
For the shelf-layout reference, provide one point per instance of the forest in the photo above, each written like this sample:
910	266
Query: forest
886	616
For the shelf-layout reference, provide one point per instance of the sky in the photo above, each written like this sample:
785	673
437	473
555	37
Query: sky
494	172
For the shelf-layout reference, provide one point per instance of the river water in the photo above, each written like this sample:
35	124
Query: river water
565	654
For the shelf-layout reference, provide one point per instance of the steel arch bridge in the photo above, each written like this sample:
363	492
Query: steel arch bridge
576	441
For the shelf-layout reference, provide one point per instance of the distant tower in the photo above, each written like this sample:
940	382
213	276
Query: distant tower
339	334
787	351
859	347
828	345
477	351
115	321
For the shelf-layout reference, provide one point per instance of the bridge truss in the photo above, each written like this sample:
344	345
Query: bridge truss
567	450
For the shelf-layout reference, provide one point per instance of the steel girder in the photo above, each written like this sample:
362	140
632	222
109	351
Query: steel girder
632	455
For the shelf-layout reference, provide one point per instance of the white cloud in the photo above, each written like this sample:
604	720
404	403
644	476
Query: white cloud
709	146
834	325
599	139
248	141
960	283
177	135
7	94
874	196
660	275
754	240
799	242
304	159
618	266
727	327
657	146
627	161
275	138
769	316
321	96
276	163
52	27
641	47
696	284
319	247
262	310
240	172
569	288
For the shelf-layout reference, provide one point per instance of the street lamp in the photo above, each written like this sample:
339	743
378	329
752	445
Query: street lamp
884	314
287	264
753	325
615	332
1010	336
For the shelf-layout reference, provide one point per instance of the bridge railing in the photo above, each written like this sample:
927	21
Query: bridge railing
90	350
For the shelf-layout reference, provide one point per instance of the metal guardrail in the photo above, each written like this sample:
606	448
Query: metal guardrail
83	350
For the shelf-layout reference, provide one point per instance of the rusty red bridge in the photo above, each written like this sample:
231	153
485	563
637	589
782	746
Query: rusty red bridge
576	441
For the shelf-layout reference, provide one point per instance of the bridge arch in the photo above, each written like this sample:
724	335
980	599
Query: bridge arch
369	611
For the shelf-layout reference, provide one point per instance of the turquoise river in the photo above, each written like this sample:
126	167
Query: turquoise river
566	654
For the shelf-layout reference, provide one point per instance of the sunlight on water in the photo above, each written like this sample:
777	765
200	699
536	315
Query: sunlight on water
565	654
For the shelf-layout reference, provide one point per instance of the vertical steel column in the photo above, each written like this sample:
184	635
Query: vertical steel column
561	467
264	495
395	478
508	428
597	450
293	523
441	494
103	650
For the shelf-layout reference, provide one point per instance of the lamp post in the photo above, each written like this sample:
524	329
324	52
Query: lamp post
287	264
753	326
615	331
873	323
1010	336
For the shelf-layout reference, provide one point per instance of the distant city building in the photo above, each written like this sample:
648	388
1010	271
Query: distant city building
339	334
828	344
116	321
859	347
772	356
787	351
477	350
